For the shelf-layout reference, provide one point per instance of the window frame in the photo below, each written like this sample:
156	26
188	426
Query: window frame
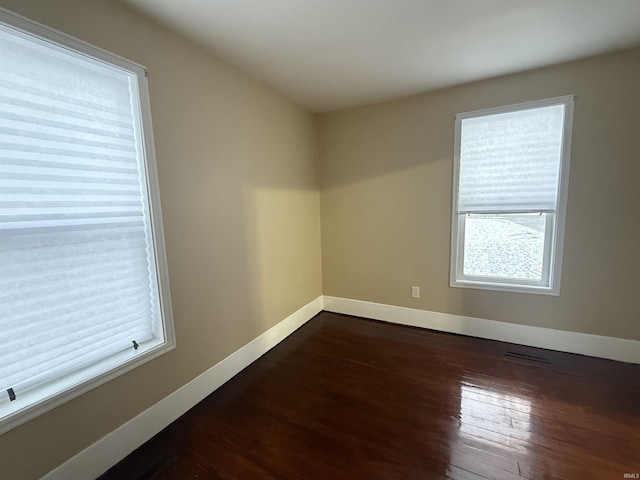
45	398
555	226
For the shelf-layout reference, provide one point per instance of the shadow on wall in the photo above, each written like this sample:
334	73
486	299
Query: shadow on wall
242	208
366	142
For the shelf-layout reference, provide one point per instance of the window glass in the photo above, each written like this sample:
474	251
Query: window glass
508	246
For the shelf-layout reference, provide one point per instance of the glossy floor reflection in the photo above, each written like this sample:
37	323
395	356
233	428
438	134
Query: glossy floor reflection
346	398
485	415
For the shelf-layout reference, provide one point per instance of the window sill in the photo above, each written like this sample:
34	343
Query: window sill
505	287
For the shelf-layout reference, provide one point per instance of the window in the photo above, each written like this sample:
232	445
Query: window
83	282
511	171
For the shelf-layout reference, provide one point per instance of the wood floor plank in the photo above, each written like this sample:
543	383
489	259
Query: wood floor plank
348	398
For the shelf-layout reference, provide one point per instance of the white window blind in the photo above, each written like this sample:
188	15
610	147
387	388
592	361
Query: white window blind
510	162
78	272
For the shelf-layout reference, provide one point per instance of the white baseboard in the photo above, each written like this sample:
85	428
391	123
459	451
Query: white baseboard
106	452
592	345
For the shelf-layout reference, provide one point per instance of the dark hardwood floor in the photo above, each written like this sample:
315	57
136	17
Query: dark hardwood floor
348	398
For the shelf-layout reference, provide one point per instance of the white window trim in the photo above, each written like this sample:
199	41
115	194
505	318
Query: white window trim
555	250
90	378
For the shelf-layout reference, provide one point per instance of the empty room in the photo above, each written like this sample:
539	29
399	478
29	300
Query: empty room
319	239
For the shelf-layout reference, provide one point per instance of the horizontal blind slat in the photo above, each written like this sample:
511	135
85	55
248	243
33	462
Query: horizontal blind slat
14	107
52	136
68	164
33	318
88	275
14	116
15	84
41	294
76	334
35	173
8	147
45	352
30	104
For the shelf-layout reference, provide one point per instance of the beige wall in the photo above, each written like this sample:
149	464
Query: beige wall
239	185
386	175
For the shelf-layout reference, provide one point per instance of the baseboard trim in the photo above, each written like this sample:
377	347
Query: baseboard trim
620	349
106	452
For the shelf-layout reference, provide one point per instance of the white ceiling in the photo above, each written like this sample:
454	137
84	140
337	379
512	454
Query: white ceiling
332	54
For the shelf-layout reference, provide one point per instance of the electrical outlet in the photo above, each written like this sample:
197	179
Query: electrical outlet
415	292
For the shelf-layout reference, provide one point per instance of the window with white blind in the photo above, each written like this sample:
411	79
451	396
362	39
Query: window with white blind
83	282
511	167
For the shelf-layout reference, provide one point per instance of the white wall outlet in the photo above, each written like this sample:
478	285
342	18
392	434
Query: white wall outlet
415	292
